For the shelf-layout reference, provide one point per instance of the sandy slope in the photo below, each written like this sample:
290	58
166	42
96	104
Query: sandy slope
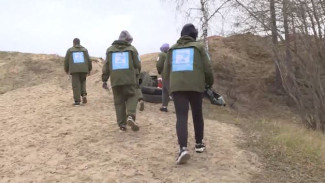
44	139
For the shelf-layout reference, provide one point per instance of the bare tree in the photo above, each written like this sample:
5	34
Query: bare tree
274	29
204	11
301	60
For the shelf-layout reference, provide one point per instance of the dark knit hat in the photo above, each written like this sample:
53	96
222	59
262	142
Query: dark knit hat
125	36
189	30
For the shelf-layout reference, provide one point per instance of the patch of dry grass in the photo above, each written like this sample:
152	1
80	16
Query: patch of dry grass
295	139
148	63
289	152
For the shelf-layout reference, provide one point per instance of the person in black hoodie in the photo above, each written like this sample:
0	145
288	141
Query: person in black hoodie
189	71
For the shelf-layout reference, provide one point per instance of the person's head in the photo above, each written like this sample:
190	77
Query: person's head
76	41
164	47
125	36
189	30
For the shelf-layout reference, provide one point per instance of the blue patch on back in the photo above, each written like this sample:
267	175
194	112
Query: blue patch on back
183	59
78	57
120	60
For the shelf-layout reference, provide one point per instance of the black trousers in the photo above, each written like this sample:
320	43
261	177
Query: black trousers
182	99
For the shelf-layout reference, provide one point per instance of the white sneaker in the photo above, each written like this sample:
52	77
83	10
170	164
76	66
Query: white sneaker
183	156
199	148
132	123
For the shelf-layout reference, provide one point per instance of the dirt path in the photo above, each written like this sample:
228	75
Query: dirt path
44	139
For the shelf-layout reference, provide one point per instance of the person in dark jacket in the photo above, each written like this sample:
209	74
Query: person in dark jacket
138	89
165	81
78	64
189	70
121	65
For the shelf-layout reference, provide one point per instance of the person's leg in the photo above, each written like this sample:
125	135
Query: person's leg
76	87
181	108
131	105
83	77
165	95
181	104
196	106
139	92
120	108
198	122
140	98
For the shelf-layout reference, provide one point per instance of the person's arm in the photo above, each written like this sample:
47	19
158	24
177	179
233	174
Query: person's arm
160	63
66	62
209	79
167	65
90	65
136	59
105	69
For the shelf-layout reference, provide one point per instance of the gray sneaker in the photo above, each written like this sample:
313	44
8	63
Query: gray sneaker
132	123
183	156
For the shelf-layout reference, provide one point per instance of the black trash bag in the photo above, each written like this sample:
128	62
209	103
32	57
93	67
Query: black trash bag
214	97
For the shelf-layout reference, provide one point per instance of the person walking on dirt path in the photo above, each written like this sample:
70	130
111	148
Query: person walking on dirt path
77	63
138	90
165	81
121	66
189	71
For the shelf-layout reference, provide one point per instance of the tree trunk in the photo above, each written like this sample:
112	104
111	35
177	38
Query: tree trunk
278	82
287	36
205	23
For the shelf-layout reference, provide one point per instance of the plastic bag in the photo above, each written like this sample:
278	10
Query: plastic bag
214	97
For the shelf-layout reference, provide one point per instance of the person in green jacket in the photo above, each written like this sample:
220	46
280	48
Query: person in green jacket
77	63
189	71
165	81
121	66
139	92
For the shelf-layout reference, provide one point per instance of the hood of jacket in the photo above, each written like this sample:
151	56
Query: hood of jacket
78	46
185	39
121	44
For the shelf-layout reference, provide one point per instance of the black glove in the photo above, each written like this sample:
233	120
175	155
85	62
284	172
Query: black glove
105	85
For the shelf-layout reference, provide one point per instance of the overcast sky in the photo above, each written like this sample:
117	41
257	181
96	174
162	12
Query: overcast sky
49	26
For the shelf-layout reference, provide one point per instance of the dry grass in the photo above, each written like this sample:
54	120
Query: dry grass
296	139
289	152
148	63
19	70
244	71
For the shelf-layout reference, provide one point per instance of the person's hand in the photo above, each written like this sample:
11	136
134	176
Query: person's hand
105	85
67	72
88	73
